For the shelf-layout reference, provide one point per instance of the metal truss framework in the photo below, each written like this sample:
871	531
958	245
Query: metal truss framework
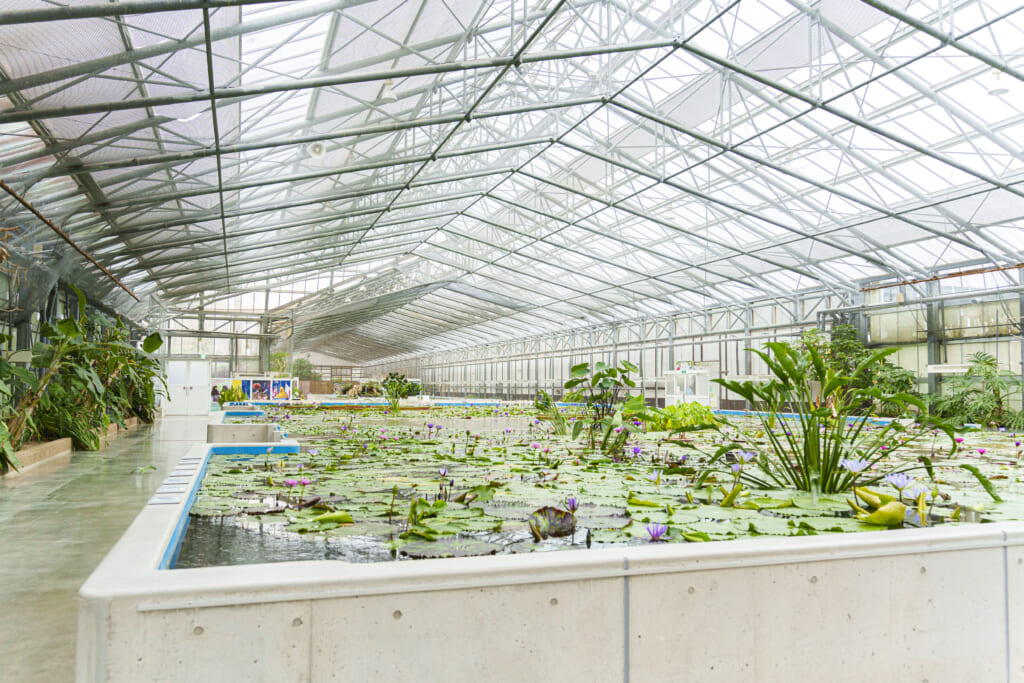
927	330
397	178
717	337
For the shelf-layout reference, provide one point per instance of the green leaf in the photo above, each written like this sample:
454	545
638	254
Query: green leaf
580	370
69	327
81	301
335	517
927	462
42	355
984	481
642	503
152	342
629	366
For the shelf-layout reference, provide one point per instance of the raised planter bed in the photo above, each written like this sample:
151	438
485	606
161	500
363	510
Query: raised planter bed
936	604
37	453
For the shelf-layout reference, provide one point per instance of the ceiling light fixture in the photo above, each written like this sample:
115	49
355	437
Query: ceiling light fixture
387	94
996	86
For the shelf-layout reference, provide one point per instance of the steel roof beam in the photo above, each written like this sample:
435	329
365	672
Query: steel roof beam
94	67
17	113
816	104
310	267
141	250
119	9
947	39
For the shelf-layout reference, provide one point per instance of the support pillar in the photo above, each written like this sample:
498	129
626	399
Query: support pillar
934	335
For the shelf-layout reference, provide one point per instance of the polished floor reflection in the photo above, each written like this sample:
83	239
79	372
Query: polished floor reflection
57	521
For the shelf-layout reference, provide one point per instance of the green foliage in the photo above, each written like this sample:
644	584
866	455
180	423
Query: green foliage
982	395
678	416
547	407
303	369
85	378
604	393
806	452
396	387
230	395
600	389
844	352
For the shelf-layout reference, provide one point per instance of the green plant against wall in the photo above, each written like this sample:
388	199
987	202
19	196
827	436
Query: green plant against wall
981	395
808	450
81	378
230	395
302	368
843	351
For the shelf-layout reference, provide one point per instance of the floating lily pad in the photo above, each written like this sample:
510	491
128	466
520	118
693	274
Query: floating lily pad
550	521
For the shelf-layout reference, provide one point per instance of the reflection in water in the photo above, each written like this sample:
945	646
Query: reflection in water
220	541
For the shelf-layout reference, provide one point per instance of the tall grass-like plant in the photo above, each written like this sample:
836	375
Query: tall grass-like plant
547	407
806	451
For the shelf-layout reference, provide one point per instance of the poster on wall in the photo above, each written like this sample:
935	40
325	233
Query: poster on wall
244	385
260	390
282	389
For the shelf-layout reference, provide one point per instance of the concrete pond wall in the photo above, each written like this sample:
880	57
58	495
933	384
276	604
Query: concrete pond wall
938	604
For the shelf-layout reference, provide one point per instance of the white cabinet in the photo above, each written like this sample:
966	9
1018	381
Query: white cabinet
690	384
188	387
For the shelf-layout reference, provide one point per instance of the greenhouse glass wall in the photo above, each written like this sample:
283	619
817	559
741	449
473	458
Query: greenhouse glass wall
589	215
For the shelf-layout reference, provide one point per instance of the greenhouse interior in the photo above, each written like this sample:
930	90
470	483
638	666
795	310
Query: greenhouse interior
374	340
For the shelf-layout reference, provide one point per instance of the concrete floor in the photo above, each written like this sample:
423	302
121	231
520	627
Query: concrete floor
57	521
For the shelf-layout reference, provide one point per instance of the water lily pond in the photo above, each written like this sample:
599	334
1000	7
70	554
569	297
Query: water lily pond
379	486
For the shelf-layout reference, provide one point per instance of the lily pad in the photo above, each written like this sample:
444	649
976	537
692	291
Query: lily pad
550	521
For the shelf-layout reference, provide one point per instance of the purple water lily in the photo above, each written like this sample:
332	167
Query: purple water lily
854	465
656	530
572	505
899	480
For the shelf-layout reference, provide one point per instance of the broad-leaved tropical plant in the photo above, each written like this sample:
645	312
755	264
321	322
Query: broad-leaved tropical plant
809	419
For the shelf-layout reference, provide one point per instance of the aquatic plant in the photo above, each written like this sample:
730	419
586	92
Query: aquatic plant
396	387
806	450
899	481
604	393
656	531
678	416
556	417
